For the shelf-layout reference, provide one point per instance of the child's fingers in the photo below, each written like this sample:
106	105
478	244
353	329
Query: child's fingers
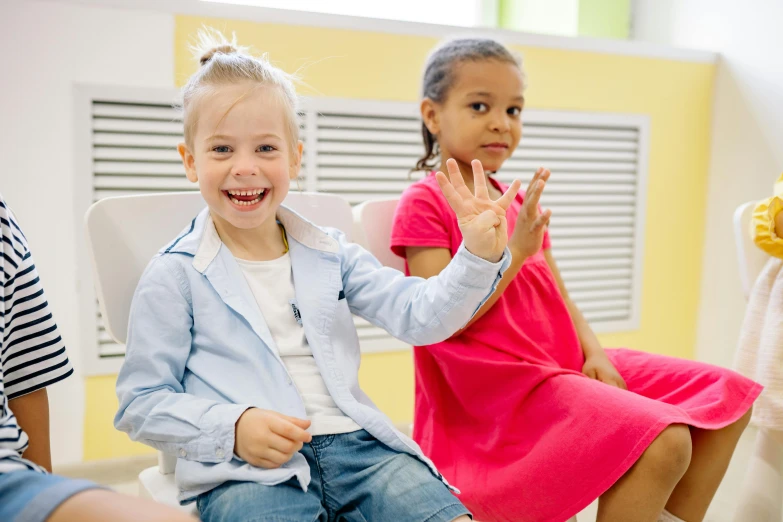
289	430
456	179
532	198
542	220
505	200
536	188
486	220
276	457
283	444
533	180
302	423
266	464
479	180
451	195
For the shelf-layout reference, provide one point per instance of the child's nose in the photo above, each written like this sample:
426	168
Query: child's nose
245	166
500	123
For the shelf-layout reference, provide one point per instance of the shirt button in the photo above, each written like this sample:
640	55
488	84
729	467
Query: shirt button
289	380
183	453
220	453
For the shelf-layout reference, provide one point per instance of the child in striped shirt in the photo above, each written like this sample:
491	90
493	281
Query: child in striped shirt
32	357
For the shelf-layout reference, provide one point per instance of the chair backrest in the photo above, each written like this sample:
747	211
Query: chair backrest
372	230
751	258
124	233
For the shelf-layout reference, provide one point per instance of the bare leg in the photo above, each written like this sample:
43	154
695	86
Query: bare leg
640	495
712	451
98	505
761	498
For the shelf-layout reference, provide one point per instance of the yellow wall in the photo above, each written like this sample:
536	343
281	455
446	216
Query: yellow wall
355	64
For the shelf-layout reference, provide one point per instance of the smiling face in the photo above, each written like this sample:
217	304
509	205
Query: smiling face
481	115
242	155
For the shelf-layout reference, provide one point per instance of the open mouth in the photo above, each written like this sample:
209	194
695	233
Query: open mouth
246	198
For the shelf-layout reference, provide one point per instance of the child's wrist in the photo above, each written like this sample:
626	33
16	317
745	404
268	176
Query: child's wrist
517	254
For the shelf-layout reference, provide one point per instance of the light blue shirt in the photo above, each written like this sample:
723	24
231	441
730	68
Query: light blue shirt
199	352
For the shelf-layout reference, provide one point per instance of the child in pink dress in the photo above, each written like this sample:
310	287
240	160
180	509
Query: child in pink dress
523	410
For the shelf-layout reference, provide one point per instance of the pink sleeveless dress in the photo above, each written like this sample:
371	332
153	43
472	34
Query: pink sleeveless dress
506	414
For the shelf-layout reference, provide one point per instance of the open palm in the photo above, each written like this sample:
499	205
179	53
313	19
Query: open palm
481	219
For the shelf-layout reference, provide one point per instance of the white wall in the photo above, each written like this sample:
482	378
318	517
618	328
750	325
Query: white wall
747	135
48	47
560	17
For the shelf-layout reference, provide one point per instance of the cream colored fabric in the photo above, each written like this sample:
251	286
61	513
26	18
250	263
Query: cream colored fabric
760	353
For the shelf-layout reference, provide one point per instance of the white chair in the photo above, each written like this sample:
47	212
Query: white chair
372	230
124	233
751	258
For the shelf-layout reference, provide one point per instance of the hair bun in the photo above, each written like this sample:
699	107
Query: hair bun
221	49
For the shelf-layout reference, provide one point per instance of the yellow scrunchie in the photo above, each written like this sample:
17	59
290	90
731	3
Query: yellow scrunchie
763	225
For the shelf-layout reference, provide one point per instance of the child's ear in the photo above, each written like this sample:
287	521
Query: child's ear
296	164
189	162
429	115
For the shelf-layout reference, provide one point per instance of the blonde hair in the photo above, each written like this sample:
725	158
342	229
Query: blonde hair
224	62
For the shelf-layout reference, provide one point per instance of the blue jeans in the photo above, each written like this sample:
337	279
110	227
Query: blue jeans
354	478
31	496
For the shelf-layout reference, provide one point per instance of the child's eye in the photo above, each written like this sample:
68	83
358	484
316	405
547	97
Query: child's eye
514	111
479	107
221	149
266	148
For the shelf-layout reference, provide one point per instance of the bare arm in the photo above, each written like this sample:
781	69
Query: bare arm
427	262
597	364
590	344
32	414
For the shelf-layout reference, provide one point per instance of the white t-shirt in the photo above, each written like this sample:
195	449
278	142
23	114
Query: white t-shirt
272	284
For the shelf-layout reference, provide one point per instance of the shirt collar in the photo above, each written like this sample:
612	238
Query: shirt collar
201	241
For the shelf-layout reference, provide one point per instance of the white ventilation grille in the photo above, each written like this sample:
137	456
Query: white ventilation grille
364	150
596	194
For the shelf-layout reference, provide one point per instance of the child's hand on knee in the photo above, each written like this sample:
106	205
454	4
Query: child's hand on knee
268	439
482	221
600	368
528	235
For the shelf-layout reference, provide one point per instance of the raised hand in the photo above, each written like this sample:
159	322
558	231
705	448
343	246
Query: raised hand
481	220
531	222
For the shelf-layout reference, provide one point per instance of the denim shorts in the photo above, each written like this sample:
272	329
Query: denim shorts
31	496
354	478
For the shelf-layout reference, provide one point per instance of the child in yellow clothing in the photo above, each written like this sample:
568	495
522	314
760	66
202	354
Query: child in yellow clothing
760	357
768	223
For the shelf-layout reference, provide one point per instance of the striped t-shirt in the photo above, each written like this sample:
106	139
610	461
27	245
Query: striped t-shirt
32	354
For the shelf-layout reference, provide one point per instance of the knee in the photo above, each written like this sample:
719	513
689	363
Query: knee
669	455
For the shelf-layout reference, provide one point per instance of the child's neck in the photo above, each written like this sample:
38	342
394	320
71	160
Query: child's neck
263	243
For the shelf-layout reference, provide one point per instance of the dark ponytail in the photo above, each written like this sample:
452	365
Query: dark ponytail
439	77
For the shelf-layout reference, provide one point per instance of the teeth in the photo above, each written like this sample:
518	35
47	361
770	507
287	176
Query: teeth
245	203
254	192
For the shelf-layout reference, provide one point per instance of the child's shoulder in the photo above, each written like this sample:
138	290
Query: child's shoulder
425	189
